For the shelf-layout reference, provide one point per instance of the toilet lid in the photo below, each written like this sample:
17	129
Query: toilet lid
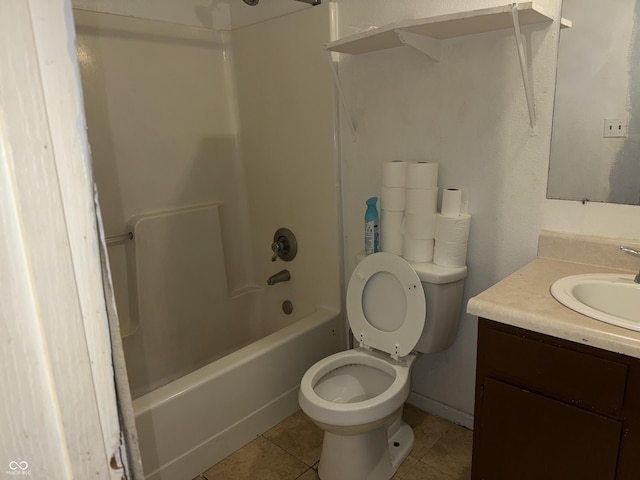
385	304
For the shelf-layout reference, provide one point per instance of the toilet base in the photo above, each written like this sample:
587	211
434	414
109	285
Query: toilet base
374	455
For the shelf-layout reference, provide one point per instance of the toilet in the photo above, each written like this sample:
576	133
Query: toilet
396	310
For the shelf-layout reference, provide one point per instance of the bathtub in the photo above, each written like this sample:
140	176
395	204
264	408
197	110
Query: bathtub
190	424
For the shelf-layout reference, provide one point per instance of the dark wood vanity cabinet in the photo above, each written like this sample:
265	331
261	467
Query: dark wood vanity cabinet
550	409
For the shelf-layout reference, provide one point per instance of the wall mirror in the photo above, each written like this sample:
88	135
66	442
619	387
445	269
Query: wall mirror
595	142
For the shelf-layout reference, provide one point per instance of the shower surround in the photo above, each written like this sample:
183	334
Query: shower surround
204	143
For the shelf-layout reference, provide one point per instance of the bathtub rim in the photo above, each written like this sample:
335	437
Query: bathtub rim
193	380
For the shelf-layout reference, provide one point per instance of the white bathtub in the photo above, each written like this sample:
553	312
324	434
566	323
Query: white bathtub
195	421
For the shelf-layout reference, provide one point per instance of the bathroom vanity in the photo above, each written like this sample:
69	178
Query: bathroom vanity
549	409
557	393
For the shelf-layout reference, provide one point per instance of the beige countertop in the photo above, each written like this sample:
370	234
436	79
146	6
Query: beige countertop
523	300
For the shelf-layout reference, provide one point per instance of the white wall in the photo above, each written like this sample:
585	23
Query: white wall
469	113
602	219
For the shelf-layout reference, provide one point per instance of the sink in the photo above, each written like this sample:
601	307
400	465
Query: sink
609	297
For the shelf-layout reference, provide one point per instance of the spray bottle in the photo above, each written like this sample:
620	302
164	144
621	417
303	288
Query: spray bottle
371	227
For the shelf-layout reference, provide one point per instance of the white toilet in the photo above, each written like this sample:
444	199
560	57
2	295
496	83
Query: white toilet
395	309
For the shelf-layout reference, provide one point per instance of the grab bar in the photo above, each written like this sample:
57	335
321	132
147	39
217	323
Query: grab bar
119	239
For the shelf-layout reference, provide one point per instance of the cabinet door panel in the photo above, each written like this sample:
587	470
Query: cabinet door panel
560	373
525	436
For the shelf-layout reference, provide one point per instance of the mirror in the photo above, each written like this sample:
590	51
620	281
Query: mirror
597	103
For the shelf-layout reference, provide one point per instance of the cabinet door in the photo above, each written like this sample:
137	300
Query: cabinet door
525	436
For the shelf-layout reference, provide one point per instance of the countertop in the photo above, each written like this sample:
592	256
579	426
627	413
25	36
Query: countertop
523	300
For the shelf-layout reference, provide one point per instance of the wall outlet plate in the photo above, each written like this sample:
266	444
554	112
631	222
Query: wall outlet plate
615	128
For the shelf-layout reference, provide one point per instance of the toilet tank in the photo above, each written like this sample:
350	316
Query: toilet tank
443	288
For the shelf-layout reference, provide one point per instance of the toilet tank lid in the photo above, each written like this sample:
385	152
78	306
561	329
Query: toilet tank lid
432	273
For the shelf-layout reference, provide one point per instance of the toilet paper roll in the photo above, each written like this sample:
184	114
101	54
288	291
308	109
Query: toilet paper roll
453	229
421	200
391	221
450	254
420	225
418	249
394	173
451	201
422	175
391	242
392	198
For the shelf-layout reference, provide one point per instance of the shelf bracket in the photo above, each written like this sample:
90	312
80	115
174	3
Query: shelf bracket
343	100
431	47
524	70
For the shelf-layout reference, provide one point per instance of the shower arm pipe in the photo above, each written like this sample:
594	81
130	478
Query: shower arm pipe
533	129
311	2
336	81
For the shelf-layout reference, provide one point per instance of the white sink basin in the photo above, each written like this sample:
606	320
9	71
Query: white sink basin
608	297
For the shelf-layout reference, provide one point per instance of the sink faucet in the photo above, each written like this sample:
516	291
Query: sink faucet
635	252
281	276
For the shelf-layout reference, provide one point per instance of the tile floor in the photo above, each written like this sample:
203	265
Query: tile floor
291	450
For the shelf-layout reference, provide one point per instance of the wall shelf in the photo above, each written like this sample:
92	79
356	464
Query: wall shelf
426	35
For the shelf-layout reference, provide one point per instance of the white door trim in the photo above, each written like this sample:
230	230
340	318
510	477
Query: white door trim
59	411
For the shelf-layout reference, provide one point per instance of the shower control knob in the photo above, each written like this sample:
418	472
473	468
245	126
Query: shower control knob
284	245
278	247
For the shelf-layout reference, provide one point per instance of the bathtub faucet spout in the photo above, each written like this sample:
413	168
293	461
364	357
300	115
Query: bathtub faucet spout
281	276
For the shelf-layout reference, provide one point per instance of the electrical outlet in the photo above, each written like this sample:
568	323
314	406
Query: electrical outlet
615	128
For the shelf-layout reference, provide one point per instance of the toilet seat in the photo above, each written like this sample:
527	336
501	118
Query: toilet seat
386	306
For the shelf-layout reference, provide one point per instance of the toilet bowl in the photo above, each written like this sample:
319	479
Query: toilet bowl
354	391
356	396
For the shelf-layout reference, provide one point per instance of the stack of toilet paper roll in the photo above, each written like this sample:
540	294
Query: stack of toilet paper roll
420	211
452	231
392	202
409	204
410	225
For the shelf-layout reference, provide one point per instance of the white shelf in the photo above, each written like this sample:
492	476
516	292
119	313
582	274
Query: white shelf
442	27
427	34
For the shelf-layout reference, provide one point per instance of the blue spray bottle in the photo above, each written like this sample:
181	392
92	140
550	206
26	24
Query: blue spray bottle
371	227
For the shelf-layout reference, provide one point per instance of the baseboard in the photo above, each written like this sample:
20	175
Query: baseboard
441	410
